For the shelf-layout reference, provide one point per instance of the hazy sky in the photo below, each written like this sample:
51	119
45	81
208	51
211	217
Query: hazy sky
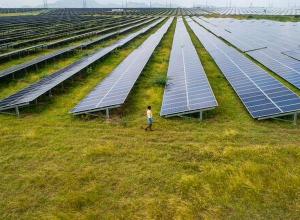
186	3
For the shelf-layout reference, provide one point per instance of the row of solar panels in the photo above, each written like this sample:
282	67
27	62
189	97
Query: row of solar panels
188	90
31	93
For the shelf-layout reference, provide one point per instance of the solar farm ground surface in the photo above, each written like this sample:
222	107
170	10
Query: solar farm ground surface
54	165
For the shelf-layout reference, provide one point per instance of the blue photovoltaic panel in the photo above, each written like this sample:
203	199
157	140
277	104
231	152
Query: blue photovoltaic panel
187	89
284	66
236	40
31	93
114	90
262	95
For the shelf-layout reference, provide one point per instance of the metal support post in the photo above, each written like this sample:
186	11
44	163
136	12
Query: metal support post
107	113
295	118
201	116
17	111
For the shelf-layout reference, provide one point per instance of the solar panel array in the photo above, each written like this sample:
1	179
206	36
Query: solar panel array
268	42
41	59
61	35
114	90
188	89
31	93
262	95
253	11
24	33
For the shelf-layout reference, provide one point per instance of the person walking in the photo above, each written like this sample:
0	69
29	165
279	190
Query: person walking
149	119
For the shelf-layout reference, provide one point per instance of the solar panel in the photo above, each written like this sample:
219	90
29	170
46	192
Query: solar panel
187	89
31	93
114	90
262	95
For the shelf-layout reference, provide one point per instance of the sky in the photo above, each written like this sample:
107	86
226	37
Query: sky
184	3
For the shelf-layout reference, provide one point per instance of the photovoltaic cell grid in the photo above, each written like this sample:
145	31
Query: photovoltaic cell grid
293	54
187	89
31	93
114	90
223	32
262	95
284	66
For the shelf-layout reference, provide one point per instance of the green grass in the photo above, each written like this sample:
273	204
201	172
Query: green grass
56	166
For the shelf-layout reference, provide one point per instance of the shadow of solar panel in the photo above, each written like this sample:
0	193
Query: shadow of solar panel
187	89
262	95
114	90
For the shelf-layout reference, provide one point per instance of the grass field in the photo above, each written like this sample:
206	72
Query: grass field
56	166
